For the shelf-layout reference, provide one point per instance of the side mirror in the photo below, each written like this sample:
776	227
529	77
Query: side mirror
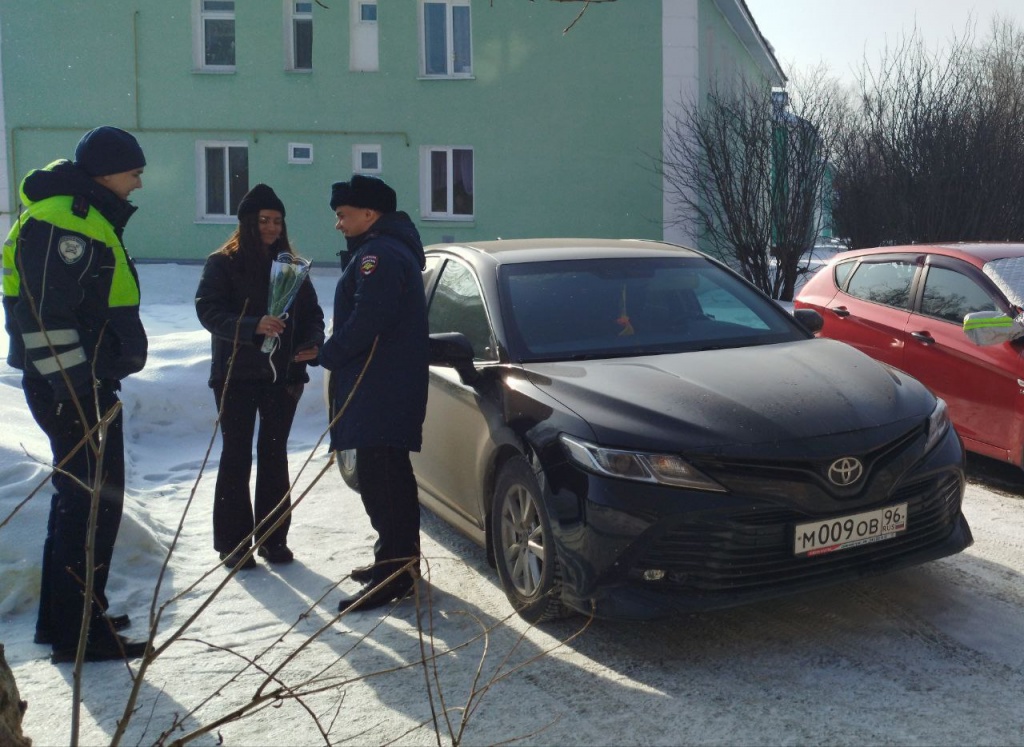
992	327
810	320
454	349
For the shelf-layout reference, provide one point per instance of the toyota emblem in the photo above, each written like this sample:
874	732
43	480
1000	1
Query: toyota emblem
845	471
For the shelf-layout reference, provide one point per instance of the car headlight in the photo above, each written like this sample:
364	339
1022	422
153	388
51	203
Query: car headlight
666	469
938	424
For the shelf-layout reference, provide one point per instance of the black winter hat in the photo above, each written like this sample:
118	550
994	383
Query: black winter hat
108	150
364	192
260	197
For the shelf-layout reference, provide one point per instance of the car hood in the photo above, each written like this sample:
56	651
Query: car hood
806	391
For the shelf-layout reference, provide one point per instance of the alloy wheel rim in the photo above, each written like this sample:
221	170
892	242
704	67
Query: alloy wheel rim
522	541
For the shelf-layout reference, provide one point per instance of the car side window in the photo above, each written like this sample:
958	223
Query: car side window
457	306
883	282
842	272
429	270
950	295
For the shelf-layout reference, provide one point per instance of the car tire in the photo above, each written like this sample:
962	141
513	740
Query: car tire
347	468
524	548
346	459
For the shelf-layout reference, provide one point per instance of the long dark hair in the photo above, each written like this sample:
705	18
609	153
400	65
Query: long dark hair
245	246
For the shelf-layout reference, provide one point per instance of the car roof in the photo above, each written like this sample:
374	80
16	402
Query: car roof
977	253
509	251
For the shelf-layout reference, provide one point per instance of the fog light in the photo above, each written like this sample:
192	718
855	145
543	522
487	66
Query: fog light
654	575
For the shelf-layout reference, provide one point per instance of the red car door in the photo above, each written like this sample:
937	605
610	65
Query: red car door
865	302
981	384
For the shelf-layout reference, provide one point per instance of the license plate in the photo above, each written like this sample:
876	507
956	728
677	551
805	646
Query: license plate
843	532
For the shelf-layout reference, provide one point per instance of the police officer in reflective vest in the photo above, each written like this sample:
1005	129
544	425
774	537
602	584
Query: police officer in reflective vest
71	305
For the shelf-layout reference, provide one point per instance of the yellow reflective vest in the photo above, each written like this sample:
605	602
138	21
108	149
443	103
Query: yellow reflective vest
71	292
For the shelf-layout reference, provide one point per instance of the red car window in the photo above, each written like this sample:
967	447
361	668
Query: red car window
883	282
950	295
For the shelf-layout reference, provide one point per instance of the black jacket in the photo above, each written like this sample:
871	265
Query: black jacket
66	273
230	302
380	295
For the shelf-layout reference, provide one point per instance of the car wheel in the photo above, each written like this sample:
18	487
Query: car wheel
347	468
346	459
524	548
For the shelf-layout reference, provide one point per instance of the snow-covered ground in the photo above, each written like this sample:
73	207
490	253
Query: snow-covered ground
933	655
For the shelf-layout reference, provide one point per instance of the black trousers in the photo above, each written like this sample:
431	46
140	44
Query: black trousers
61	595
235	515
388	490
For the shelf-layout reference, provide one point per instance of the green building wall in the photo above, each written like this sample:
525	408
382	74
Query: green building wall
566	128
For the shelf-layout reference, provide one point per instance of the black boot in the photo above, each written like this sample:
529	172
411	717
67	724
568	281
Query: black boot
374	595
104	647
363	574
117	622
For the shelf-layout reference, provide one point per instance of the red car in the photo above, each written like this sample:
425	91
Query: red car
905	306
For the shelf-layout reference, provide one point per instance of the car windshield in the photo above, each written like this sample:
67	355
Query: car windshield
601	308
1008	275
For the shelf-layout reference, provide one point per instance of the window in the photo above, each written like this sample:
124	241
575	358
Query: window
299	35
447	183
883	282
457	306
555	310
366	159
300	153
223	170
368	12
842	272
363	53
1008	275
950	295
446	38
214	47
431	264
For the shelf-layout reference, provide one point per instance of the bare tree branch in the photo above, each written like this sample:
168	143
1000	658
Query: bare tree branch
933	150
746	166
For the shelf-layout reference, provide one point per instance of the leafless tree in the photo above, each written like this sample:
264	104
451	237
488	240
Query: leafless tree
933	150
746	166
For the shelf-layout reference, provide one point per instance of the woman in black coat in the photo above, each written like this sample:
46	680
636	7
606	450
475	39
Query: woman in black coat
232	303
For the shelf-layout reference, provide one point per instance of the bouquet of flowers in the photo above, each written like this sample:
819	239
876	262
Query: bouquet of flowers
287	273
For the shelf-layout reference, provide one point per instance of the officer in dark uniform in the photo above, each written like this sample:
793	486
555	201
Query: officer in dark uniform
380	316
71	302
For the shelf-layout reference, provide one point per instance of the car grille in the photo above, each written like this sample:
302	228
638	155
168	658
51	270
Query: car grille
806	483
754	548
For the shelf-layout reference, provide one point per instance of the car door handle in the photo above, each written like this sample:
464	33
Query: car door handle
924	337
840	310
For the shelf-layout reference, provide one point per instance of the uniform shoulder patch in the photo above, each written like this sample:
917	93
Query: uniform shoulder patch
71	248
368	264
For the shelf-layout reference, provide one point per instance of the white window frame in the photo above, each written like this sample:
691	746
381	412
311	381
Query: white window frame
449	25
291	17
357	159
359	11
202	216
293	157
364	39
426	184
200	15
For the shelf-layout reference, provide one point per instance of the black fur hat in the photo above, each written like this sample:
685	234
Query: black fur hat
364	192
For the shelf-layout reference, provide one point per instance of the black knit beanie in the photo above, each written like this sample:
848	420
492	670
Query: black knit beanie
260	197
364	192
108	150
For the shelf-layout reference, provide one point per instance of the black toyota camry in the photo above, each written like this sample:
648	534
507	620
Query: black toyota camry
630	429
